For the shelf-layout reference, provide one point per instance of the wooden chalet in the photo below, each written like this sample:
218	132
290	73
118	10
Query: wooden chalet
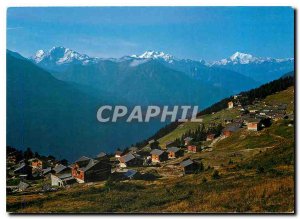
86	169
22	186
61	176
192	148
36	163
59	169
254	125
230	129
189	166
174	152
188	140
118	154
37	173
130	160
62	180
158	156
23	169
131	174
47	172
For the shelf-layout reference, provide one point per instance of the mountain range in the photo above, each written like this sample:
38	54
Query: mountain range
53	96
260	69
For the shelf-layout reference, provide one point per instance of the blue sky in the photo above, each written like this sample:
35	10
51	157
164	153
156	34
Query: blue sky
209	33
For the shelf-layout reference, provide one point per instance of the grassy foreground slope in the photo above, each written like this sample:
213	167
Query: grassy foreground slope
255	174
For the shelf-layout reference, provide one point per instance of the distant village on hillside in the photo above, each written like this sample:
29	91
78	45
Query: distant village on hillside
26	168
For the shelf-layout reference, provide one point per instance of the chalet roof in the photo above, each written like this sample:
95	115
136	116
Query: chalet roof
126	158
130	173
118	152
59	168
254	120
83	158
232	128
47	170
33	159
169	142
188	139
186	163
89	165
101	154
23	185
20	167
173	149
65	176
157	152
22	161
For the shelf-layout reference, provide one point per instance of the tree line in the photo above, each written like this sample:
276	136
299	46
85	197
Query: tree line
29	154
256	93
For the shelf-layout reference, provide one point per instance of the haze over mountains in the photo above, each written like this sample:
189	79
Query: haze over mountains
53	97
55	117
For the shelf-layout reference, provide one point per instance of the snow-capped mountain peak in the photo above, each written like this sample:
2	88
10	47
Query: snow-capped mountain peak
39	55
61	55
244	58
150	54
237	58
